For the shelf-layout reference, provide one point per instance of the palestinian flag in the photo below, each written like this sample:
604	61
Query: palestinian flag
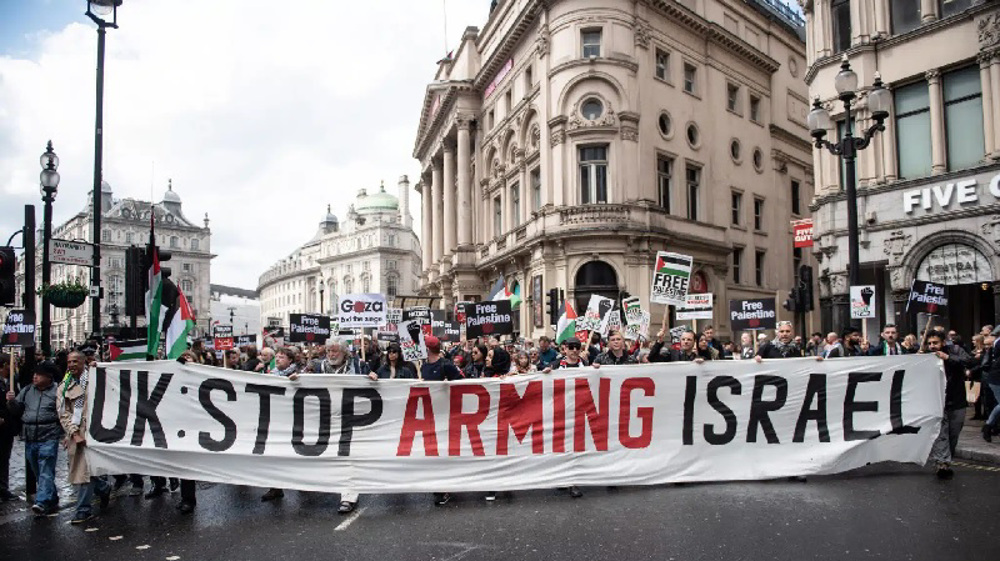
179	327
566	327
673	264
154	301
499	290
128	350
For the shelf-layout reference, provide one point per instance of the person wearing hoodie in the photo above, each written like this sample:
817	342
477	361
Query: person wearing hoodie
956	361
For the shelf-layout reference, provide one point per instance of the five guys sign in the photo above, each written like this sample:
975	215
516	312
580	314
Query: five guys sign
670	422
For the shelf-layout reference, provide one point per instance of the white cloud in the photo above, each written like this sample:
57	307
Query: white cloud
260	116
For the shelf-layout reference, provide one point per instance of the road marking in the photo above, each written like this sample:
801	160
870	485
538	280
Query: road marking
976	466
350	520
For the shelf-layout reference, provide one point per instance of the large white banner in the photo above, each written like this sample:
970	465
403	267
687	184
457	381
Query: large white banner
626	425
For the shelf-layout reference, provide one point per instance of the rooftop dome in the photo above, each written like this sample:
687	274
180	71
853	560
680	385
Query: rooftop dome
330	217
170	196
105	187
378	202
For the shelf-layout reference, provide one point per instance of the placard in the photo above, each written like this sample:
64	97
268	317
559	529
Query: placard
246	340
362	310
863	301
19	329
671	277
613	322
595	316
696	306
638	331
927	297
633	310
411	340
488	318
308	328
752	314
223	335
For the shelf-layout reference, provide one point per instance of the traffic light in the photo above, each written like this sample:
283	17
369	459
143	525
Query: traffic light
552	301
792	302
806	288
8	266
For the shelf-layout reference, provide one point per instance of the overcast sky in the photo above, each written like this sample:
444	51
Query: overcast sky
261	116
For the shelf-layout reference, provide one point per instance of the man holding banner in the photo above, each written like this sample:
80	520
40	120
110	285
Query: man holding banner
956	361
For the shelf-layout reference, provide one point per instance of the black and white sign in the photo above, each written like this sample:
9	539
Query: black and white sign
696	306
671	277
421	315
246	340
863	301
445	330
752	314
19	329
411	340
488	318
362	310
927	297
71	253
308	328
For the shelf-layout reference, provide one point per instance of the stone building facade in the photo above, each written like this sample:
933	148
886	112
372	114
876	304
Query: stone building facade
929	186
374	250
567	141
125	222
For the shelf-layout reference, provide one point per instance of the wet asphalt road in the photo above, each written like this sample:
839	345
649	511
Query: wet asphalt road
881	512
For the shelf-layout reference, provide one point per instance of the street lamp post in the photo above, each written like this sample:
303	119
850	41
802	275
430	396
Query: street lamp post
322	310
49	180
847	147
97	10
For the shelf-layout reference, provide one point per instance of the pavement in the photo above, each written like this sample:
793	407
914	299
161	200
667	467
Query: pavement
971	445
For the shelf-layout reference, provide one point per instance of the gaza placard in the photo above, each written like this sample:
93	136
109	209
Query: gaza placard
362	310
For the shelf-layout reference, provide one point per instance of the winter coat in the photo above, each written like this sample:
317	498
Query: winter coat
954	370
404	371
609	357
656	354
68	393
38	412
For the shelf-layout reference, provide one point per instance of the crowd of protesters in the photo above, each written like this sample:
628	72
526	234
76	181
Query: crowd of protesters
50	411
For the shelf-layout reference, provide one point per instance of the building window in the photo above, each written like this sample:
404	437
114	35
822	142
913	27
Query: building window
592	109
796	197
664	178
665	124
105	235
195	244
735	151
693	138
536	188
905	15
128	237
662	64
366	285
913	130
497	217
755	109
529	80
758	214
951	7
591	40
509	100
689	77
759	268
693	175
490	120
733	97
737	208
593	174
963	117
515	205
840	15
737	264
366	266
758	159
174	242
186	267
187	287
391	286
390	265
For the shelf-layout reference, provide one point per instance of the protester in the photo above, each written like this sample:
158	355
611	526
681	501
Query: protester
747	350
477	362
71	403
522	364
266	361
41	432
849	344
991	378
956	360
909	344
686	353
437	368
339	361
616	353
709	334
783	346
497	362
887	343
572	358
814	347
705	349
832	339
284	365
394	366
252	361
547	356
9	426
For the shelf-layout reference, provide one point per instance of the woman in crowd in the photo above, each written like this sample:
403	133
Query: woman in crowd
477	362
394	366
522	363
910	344
705	350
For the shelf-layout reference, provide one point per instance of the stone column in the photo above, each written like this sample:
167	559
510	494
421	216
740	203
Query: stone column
450	220
426	241
889	151
437	228
928	10
987	87
939	163
995	88
464	186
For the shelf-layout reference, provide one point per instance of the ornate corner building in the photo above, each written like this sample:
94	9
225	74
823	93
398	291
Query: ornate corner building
125	222
374	250
929	186
567	141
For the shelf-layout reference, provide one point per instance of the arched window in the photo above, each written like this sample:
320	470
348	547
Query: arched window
391	286
595	277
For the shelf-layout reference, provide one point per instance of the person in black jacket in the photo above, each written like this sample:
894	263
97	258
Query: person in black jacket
394	366
850	344
9	427
687	352
956	361
41	432
888	343
991	378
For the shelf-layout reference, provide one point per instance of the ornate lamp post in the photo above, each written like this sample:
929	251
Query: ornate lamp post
49	180
847	147
97	10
